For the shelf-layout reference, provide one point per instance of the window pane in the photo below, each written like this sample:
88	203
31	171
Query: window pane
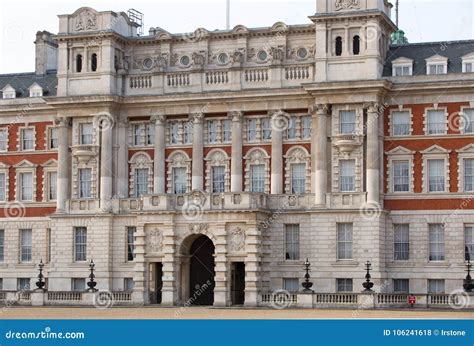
188	132
436	239
85	176
26	186
25	245
344	285
150	134
436	175
218	179
28	139
401	242
436	286
306	123
469	242
86	133
298	178
401	176
3	140
291	285
436	122
141	182
468	174
291	133
2	245
344	241
174	133
251	129
52	182
347	122
179	180
80	244
266	129
53	138
400	286
468	121
78	284
401	123
257	178
292	242
227	130
347	176
131	243
2	186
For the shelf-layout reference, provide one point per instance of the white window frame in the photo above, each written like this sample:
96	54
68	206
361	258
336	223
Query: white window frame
435	152
212	130
138	183
138	134
227	130
438	61
140	160
393	113
8	92
21	140
306	124
436	282
257	156
469	241
22	168
80	194
426	121
400	154
403	228
130	233
49	167
4	169
344	283
187	132
150	134
431	229
401	282
402	63
77	255
35	90
341	124
217	158
341	176
178	159
468	59
82	135
266	128
4	142
292	131
297	155
463	116
292	242
26	249
348	251
49	137
251	130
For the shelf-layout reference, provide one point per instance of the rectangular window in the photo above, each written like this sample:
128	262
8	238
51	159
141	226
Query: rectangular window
401	176
436	239
402	71
128	284
436	69
86	131
78	284
400	286
2	245
137	134
257	178
53	138
266	129
26	186
347	175
469	175
3	140
2	187
85	181
291	133
52	186
401	123
292	242
344	241
27	139
344	285
306	124
436	175
401	242
174	133
141	182
218	179
251	129
226	130
468	67
48	245
80	244
179	180
26	244
150	134
298	178
212	131
436	122
291	285
468	121
347	122
469	242
23	284
1	284
435	286
188	132
131	243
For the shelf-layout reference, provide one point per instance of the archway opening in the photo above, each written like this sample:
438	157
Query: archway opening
201	271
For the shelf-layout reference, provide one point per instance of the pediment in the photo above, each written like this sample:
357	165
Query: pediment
50	163
467	149
8	88
402	60
35	86
437	57
435	149
469	56
400	151
24	164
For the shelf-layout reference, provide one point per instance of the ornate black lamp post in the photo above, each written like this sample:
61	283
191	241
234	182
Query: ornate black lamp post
367	284
92	282
40	283
307	284
468	285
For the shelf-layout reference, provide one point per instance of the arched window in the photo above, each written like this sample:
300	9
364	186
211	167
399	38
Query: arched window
297	171
339	46
217	171
141	174
78	63
257	171
356	45
94	62
179	173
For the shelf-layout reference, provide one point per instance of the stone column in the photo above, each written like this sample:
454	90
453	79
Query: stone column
140	293
122	161
278	128
253	275
197	180
63	164
221	268
106	182
319	153
159	184
373	154
170	270
236	160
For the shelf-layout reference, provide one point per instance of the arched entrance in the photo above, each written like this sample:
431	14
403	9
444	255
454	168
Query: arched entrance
201	271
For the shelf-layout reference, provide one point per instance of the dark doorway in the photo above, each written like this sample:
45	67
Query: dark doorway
237	285
158	282
201	273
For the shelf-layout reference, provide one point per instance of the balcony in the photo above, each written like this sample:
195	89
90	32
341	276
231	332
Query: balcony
84	153
346	143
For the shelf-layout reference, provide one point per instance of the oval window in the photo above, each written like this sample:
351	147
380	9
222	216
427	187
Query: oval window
223	58
302	53
262	55
185	60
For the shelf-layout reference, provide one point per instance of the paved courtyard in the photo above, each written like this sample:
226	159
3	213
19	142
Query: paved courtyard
218	313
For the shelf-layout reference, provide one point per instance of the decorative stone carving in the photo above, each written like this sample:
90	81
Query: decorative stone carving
346	5
198	227
237	240
197	197
199	58
238	56
85	21
154	241
278	53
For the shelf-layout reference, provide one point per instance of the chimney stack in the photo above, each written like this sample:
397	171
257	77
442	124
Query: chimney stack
46	53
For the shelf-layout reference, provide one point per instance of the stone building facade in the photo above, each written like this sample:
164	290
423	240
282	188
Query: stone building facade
207	166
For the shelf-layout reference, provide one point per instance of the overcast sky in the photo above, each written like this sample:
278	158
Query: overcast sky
422	20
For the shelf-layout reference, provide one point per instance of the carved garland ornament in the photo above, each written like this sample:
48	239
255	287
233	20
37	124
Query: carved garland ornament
237	240
154	241
341	5
85	21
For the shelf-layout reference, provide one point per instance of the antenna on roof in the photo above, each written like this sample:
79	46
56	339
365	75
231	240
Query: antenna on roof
396	12
227	10
136	17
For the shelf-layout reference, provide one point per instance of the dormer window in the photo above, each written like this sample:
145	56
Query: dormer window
338	46
468	63
437	64
35	90
79	63
402	67
356	45
8	92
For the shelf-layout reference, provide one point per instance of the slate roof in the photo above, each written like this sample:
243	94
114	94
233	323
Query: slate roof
418	52
22	81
